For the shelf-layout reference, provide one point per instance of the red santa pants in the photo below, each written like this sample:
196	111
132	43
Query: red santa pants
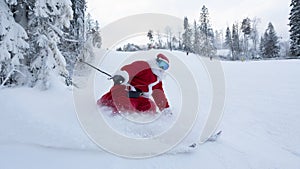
117	98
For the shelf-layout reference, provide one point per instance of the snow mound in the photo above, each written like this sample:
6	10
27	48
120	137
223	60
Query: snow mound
260	124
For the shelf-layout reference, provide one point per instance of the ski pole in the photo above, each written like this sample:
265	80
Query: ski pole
96	68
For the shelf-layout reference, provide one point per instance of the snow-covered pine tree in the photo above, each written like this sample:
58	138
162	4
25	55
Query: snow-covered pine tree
77	28
261	46
12	47
75	37
284	49
169	36
19	8
295	28
235	42
218	41
89	22
175	43
97	39
228	40
187	36
93	32
246	29
93	39
46	22
270	44
207	47
196	39
180	47
151	39
159	44
254	36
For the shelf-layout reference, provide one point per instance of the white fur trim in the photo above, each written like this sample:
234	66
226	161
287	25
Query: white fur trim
163	60
160	73
150	88
123	74
153	64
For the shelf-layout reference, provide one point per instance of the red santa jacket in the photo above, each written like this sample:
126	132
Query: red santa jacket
142	77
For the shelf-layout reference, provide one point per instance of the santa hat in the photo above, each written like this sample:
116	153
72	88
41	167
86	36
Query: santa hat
162	57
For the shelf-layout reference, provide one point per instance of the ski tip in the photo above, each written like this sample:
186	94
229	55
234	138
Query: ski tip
220	132
214	137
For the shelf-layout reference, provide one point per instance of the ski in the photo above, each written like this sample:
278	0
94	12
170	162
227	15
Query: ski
194	145
214	137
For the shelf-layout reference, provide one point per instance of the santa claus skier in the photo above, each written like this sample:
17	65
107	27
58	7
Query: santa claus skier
138	87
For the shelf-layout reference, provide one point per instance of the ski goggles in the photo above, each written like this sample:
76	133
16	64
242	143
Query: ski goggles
162	64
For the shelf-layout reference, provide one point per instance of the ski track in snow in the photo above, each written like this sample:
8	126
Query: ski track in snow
260	125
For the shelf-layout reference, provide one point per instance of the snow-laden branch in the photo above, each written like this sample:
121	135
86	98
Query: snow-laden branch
61	34
9	75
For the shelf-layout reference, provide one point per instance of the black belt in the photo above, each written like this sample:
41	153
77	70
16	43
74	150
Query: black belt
134	94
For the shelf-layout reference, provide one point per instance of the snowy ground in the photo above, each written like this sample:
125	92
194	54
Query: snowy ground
260	126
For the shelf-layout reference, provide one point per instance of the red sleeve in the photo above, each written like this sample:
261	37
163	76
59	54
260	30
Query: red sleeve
135	68
160	97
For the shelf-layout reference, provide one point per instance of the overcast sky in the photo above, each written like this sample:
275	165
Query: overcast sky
222	13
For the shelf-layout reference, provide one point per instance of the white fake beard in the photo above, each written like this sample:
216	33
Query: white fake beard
159	72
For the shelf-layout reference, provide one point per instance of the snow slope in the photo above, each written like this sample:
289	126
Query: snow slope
261	129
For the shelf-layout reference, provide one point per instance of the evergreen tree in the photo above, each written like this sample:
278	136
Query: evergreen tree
207	47
261	46
159	44
97	39
246	29
295	28
180	47
92	30
12	48
187	36
151	39
46	23
270	43
218	41
254	36
235	42
93	38
196	42
228	40
175	43
75	35
246	26
77	29
53	39
169	36
204	21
